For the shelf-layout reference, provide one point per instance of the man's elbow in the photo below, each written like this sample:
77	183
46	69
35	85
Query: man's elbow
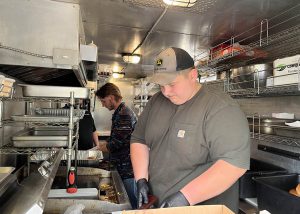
237	172
233	171
242	171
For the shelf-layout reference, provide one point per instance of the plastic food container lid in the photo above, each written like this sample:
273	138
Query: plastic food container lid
283	115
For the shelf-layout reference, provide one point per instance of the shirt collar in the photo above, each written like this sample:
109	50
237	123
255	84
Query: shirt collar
118	109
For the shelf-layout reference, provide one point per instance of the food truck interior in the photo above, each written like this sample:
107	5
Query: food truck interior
58	52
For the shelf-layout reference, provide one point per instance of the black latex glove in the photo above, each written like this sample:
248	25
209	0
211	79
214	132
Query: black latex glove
142	191
175	200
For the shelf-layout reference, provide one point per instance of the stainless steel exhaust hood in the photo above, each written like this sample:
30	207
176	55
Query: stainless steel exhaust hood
41	35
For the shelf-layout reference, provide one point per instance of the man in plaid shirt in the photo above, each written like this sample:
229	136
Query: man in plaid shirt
118	144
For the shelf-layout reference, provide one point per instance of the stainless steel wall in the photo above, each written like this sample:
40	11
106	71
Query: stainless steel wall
266	106
35	29
6	131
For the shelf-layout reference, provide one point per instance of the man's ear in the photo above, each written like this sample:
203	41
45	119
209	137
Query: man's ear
194	74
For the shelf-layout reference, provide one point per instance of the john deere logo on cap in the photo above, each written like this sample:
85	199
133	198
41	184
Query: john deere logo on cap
159	62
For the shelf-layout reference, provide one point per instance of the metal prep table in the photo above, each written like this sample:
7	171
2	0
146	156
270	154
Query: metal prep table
112	194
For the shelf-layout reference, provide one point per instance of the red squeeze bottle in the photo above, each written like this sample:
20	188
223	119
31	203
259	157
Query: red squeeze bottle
72	188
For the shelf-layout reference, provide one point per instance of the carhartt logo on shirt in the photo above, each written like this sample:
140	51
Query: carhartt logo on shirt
181	133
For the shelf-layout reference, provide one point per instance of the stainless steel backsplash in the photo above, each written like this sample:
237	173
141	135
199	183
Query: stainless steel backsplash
267	106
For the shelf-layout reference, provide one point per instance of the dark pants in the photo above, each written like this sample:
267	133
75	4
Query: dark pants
130	187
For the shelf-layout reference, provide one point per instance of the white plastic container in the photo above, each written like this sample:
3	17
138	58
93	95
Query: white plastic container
3	94
8	82
2	78
6	86
286	70
284	115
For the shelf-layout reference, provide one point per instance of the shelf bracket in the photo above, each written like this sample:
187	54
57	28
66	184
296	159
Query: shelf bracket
264	21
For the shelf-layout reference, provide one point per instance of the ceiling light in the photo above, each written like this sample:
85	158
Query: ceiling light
180	3
131	58
118	75
116	68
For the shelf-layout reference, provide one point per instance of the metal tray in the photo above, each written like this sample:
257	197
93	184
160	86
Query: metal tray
43	118
58	112
85	155
81	155
41	137
6	169
87	177
287	131
5	172
54	91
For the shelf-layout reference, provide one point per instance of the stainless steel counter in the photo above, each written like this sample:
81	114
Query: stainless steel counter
32	194
88	178
5	172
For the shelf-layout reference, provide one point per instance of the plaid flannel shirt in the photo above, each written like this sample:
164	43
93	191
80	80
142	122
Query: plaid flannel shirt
123	122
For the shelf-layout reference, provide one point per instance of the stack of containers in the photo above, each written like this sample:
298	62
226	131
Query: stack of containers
6	86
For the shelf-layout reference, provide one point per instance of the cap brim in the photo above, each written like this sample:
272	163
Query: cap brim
163	78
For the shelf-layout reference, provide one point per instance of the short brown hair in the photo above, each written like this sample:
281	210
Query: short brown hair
109	89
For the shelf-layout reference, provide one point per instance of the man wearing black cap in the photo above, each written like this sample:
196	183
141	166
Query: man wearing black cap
191	144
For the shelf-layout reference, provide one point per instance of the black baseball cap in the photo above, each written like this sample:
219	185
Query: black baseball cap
169	64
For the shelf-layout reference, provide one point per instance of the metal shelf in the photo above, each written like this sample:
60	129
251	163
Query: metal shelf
71	123
267	138
35	99
13	122
273	40
284	43
10	149
283	90
34	124
287	90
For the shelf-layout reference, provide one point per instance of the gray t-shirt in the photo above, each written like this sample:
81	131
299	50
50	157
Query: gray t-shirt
185	140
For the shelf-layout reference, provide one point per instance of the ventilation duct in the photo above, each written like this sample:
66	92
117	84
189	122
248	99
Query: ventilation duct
42	34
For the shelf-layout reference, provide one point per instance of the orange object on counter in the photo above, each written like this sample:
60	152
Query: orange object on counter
298	189
295	191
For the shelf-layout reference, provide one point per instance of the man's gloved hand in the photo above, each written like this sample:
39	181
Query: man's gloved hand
175	200
142	191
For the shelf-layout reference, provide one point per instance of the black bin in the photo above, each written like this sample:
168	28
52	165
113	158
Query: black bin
273	194
258	168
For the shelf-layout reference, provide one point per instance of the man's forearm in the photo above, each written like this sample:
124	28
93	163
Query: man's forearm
139	154
96	139
103	146
215	180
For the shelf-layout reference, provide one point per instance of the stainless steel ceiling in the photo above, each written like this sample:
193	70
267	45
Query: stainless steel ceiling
118	26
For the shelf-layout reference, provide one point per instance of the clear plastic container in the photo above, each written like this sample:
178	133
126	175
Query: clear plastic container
6	88
8	82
